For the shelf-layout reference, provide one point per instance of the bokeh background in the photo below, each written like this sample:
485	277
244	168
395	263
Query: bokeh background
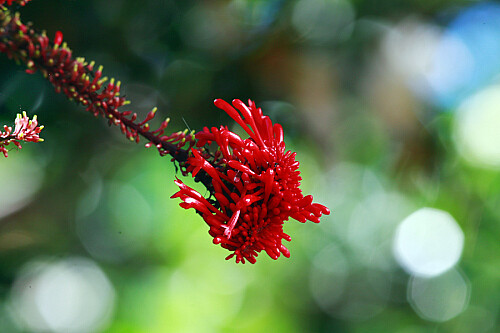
394	110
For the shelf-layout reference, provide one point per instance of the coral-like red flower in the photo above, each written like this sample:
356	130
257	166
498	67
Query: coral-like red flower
255	185
25	130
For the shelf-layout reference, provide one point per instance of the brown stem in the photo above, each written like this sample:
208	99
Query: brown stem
71	76
179	154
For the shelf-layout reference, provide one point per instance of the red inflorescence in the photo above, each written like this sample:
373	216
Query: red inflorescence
254	182
255	185
25	130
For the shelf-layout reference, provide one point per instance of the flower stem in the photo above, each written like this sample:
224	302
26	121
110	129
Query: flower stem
81	82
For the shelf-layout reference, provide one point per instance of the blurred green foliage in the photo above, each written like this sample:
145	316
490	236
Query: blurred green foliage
369	149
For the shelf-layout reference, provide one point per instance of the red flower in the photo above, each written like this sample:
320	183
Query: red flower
255	185
25	130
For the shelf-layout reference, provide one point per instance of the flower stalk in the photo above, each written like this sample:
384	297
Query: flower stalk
253	183
83	83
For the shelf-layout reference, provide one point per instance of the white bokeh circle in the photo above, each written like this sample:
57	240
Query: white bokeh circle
439	298
24	178
428	242
68	296
477	128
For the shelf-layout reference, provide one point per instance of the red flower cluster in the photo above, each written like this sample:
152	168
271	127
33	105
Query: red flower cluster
81	82
25	130
255	185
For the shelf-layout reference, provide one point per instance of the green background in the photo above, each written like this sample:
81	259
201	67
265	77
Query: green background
370	148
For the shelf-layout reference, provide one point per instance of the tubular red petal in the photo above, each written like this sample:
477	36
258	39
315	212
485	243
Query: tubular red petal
250	120
278	132
221	104
58	38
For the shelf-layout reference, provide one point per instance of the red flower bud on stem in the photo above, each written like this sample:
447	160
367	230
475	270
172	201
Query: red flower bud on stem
79	81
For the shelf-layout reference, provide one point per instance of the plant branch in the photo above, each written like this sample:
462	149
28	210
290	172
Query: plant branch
81	82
